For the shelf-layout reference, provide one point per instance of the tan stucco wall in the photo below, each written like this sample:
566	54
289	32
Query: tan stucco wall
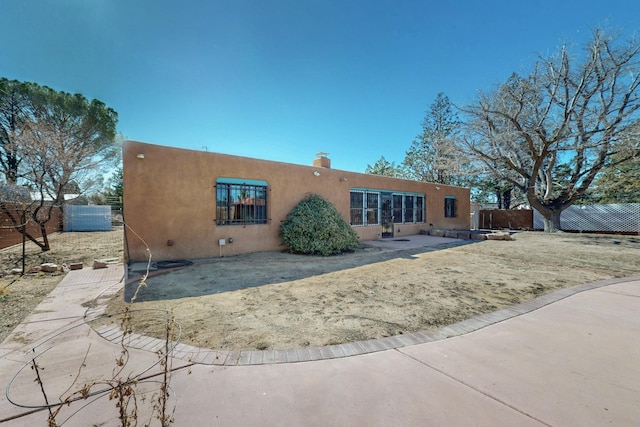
170	195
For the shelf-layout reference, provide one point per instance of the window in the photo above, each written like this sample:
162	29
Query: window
449	207
408	208
365	208
419	208
397	208
241	202
373	201
357	211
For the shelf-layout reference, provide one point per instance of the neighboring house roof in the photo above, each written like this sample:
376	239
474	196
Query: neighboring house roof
46	198
14	193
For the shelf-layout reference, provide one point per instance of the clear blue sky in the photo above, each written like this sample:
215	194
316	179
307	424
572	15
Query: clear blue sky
282	80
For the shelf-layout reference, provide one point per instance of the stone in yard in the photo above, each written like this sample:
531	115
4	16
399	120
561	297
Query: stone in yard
99	264
498	236
49	267
478	236
453	234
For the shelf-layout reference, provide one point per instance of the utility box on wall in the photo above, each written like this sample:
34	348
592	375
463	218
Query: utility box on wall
87	218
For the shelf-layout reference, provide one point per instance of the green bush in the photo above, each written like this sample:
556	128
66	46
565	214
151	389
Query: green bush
314	227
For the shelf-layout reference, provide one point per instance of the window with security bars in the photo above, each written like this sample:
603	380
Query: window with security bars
419	210
357	208
240	204
373	203
408	208
365	208
450	207
397	208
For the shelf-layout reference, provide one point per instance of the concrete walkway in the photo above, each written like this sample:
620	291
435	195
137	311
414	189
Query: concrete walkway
568	358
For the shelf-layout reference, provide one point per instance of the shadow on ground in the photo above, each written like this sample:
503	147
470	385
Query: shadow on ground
212	276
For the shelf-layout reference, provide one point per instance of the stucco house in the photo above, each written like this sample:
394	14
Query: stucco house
186	204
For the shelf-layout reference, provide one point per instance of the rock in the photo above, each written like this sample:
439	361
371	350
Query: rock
49	267
99	264
16	271
498	236
35	269
464	235
478	236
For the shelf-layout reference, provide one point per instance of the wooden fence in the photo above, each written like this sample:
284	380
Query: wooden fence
521	219
9	236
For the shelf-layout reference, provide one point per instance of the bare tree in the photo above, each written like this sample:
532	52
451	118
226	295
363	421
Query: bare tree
52	141
552	131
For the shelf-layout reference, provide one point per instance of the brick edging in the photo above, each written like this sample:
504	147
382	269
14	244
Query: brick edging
307	354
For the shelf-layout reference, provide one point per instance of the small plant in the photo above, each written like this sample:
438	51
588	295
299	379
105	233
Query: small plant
315	227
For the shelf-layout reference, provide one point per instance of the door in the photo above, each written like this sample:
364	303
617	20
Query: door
386	215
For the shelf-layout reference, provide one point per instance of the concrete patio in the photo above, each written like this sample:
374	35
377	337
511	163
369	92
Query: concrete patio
566	358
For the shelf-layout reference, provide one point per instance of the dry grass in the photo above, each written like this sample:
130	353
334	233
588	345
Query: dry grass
302	301
352	297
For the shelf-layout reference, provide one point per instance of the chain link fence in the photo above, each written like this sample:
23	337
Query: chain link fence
606	218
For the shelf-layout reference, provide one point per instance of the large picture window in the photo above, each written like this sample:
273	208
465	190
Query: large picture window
241	202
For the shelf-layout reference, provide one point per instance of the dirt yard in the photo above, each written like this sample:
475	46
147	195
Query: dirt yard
19	295
280	301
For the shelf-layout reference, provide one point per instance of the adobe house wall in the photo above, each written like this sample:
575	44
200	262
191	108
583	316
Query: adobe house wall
169	201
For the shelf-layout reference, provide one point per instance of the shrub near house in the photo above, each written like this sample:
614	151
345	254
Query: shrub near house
314	227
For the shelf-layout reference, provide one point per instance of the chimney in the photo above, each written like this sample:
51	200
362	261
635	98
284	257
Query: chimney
322	161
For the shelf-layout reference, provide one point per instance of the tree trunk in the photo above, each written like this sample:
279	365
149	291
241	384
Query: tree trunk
551	220
44	246
11	174
506	199
20	225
